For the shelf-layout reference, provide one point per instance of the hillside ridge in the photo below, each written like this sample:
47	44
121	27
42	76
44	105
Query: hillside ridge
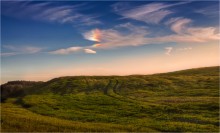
216	68
74	84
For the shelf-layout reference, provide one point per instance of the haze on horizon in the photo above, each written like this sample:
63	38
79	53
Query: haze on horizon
41	40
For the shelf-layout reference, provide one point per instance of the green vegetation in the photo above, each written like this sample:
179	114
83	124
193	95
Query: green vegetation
184	101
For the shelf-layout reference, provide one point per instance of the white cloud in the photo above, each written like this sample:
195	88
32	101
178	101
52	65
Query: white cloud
54	14
89	51
23	49
66	51
71	50
32	50
138	35
179	24
131	27
93	35
16	50
211	11
189	34
111	38
9	54
150	13
168	50
48	11
184	49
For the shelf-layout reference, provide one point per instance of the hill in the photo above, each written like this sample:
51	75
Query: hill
204	71
16	88
181	101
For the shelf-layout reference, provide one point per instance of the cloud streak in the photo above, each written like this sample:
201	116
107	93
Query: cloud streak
178	25
48	11
184	49
139	35
9	54
151	13
111	38
20	50
168	50
34	50
23	49
211	11
66	51
72	50
89	51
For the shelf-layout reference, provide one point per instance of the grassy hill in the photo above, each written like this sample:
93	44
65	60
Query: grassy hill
16	88
181	101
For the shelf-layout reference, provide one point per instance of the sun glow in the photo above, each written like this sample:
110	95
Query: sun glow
95	35
96	45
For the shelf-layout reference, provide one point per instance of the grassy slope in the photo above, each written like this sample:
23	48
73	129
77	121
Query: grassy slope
17	119
180	101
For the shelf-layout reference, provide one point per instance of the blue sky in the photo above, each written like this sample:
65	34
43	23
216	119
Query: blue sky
41	40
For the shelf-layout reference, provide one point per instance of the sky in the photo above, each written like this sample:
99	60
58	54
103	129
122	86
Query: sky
41	40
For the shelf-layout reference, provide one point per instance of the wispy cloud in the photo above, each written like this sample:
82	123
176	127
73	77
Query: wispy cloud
139	35
48	11
66	51
178	24
23	49
150	13
168	50
9	54
15	50
212	11
184	49
72	50
131	27
111	38
89	51
186	33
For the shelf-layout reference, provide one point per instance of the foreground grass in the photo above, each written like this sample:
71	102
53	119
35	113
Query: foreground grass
158	113
15	119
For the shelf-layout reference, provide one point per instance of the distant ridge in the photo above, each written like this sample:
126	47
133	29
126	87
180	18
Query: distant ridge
202	71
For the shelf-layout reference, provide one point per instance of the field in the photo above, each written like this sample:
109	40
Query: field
183	101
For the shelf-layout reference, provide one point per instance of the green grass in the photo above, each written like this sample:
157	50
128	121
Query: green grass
185	101
16	119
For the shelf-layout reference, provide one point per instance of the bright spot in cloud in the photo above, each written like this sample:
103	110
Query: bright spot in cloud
94	35
66	51
89	51
96	45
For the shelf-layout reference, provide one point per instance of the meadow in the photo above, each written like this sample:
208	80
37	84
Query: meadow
183	101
